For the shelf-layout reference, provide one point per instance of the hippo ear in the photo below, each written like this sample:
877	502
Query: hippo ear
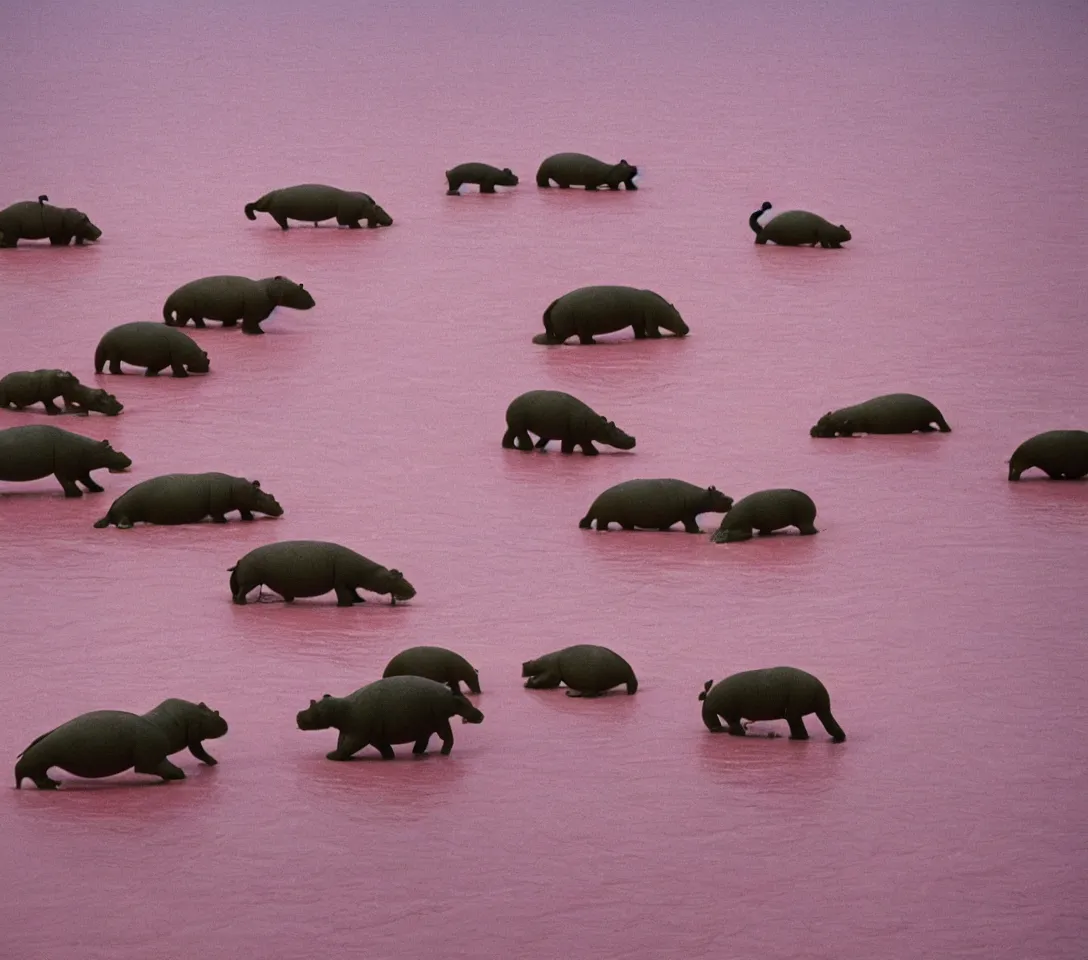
712	489
396	573
202	705
313	703
507	170
256	483
328	696
277	277
105	444
43	199
301	287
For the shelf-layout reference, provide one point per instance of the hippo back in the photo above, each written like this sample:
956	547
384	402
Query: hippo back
587	666
405	708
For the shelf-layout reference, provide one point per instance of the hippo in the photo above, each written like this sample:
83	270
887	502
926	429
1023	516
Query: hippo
228	299
554	415
588	311
775	693
487	176
309	568
1060	454
435	663
36	220
796	228
26	387
83	400
151	345
103	743
655	505
587	670
767	511
889	413
391	710
188	498
581	170
30	453
314	202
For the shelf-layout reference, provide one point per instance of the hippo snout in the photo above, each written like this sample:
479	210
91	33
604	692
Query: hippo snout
120	464
475	716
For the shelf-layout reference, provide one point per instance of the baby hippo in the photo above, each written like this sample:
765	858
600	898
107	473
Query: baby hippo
767	511
654	505
554	415
588	670
434	663
483	174
189	498
388	711
107	742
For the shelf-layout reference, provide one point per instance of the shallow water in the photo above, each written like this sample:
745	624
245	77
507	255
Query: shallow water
943	607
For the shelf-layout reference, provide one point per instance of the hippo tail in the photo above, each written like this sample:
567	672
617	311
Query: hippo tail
259	205
706	689
234	579
99	357
103	523
548	327
168	308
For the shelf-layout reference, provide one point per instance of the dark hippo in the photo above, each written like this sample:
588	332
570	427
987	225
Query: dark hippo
83	400
107	742
189	498
228	299
588	670
776	693
767	511
590	311
1060	454
554	415
435	663
889	413
36	220
314	202
392	710
654	505
487	176
27	387
150	345
582	170
30	453
309	568
796	228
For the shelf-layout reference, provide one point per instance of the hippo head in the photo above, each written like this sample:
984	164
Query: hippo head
80	225
473	680
287	293
614	436
463	708
673	322
626	170
115	460
200	364
257	499
393	583
838	234
830	425
317	716
380	217
508	178
717	502
100	401
530	668
209	725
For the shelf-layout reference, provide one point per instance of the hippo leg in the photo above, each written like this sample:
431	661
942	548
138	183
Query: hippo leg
445	733
232	322
639	329
548	680
347	745
736	728
280	219
1075	475
14	241
837	733
50	407
41	780
942	424
454	190
123	523
487	187
542	443
587	694
69	484
197	750
806	529
797	727
198	322
177	367
251	327
245	514
736	534
630	184
591	186
653	331
566	445
115	365
562	186
586	339
163	768
346	595
218	518
588	449
625	526
764	533
152	371
386	750
420	747
691	525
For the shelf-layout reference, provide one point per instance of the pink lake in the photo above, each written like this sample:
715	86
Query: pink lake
944	607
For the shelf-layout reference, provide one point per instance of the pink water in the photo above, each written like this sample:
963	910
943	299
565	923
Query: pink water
943	607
